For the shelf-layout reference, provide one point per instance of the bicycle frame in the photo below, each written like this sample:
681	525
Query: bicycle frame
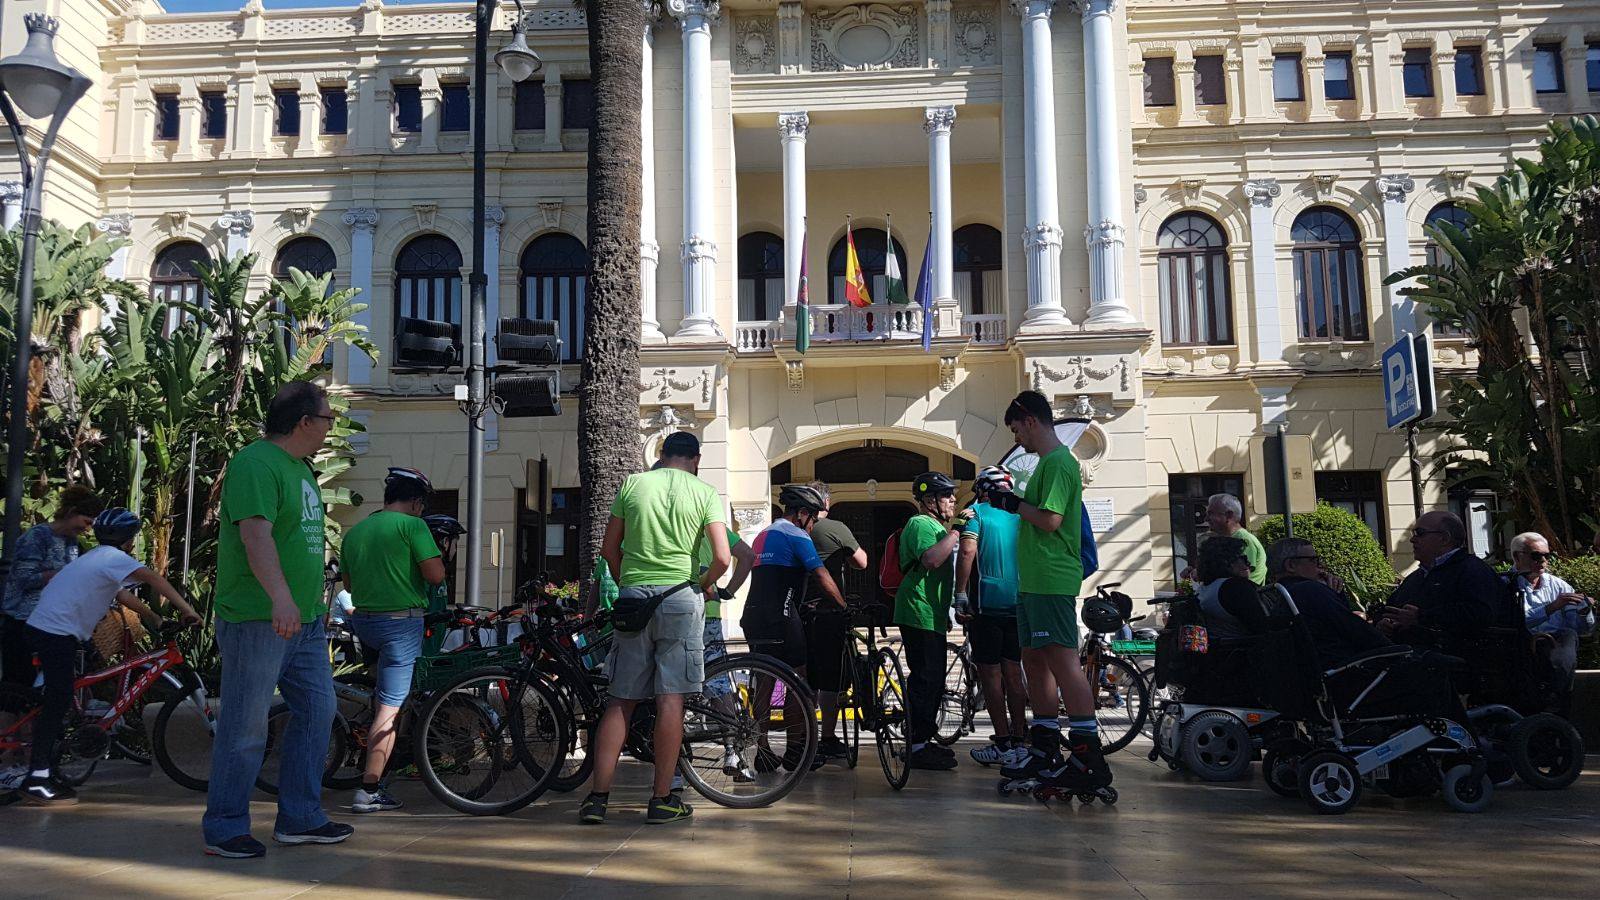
156	665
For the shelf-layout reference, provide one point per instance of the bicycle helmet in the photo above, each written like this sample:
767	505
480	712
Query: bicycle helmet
1101	615
444	527
114	526
994	478
399	472
800	496
932	484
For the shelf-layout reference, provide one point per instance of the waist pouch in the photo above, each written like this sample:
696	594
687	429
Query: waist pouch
632	614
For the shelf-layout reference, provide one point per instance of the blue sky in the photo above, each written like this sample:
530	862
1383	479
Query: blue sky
178	6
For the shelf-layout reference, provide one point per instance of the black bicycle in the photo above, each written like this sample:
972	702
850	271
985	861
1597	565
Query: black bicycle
875	698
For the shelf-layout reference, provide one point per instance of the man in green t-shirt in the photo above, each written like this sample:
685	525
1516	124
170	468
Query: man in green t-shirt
270	633
656	520
922	610
1225	517
1049	577
390	559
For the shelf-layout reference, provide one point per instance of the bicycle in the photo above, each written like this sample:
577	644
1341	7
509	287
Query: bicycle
963	696
874	698
90	724
1121	695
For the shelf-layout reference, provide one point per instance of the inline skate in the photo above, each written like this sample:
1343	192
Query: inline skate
1023	765
1083	773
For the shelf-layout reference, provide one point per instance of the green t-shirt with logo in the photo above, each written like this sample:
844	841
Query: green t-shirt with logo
381	557
923	600
1048	562
264	481
666	511
702	562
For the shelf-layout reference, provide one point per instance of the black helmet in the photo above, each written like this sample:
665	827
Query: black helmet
114	526
932	484
444	526
800	496
1102	616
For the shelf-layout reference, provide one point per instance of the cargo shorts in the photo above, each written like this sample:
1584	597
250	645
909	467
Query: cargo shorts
668	655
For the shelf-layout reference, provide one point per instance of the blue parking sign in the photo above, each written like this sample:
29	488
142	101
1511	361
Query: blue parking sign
1408	380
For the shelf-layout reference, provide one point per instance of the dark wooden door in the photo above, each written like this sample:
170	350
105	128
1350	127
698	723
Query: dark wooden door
871	523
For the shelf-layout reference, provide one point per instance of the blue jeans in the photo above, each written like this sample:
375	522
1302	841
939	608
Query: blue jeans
398	643
254	661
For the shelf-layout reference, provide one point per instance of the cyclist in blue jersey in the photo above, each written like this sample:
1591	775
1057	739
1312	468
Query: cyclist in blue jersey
785	558
986	604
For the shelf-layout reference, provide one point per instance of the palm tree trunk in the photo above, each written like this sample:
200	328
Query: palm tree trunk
608	397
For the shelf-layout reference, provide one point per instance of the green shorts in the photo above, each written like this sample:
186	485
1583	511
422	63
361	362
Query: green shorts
1046	619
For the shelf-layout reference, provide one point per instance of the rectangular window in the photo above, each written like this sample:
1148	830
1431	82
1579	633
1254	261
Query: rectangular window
1548	77
1469	71
166	117
1418	72
1187	495
1287	84
286	104
335	110
1158	84
1591	65
1338	77
529	113
455	107
1359	493
577	103
214	114
408	108
1210	85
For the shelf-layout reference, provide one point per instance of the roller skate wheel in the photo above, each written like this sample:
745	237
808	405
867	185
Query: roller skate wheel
1085	798
1108	796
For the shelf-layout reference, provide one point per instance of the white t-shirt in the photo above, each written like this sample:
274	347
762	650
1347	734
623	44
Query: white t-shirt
75	601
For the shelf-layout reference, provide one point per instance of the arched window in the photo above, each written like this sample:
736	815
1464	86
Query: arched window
555	281
870	251
760	276
1445	213
310	255
427	280
174	279
1330	292
978	252
1192	280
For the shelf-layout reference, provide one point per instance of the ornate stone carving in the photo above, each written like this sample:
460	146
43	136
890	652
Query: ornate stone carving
425	213
1140	197
868	36
793	125
115	224
177	221
697	247
938	118
791	19
755	45
1394	188
1103	233
494	216
1262	191
1043	234
947	373
299	218
1455	181
239	222
1323	183
938	13
361	218
550	210
749	517
1191	188
797	375
710	10
664	382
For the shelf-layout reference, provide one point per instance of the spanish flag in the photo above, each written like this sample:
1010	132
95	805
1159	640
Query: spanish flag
855	282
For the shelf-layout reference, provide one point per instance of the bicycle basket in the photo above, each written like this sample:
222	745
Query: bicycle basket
434	672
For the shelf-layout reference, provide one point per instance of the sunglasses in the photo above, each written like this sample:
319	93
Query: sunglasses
1419	532
1535	554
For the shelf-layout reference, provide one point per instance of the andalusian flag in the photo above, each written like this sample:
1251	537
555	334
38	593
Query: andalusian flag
894	283
855	282
802	305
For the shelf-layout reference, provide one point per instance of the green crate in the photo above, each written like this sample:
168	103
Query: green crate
1134	648
434	672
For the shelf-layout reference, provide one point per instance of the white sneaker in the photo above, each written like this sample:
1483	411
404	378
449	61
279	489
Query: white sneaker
374	801
11	778
1015	757
677	782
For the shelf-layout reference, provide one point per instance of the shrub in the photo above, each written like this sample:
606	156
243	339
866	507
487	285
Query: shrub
1346	546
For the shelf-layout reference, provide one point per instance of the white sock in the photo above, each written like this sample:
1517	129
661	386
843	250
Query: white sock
40	773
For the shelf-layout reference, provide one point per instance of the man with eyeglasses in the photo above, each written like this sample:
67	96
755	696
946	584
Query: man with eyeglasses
1552	609
1452	596
1339	633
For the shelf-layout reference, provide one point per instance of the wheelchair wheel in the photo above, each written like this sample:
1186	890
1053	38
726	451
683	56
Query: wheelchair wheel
1465	793
1330	783
1280	768
1216	746
1547	751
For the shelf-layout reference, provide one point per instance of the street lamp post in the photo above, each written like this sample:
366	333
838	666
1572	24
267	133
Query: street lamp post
518	62
41	86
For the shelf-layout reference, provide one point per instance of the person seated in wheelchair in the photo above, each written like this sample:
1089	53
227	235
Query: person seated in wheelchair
1556	614
1453	598
1231	610
1338	632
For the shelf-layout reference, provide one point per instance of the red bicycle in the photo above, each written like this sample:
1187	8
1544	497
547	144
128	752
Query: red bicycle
180	737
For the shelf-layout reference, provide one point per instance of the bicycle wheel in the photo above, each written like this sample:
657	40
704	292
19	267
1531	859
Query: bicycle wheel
850	705
130	733
182	738
491	741
955	713
1121	702
353	694
894	722
750	735
278	722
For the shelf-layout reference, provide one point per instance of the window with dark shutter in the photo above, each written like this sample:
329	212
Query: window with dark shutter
1158	85
1210	85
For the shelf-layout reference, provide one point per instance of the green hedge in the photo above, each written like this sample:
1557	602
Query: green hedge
1346	546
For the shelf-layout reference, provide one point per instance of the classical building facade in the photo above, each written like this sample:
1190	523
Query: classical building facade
1172	216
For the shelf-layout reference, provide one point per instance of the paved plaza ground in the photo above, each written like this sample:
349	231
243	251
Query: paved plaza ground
840	834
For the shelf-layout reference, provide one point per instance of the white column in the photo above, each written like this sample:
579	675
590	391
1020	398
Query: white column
310	140
552	108
238	223
1397	248
1262	194
1105	234
699	251
116	226
792	130
1042	237
493	217
1576	59
362	221
649	248
11	195
939	121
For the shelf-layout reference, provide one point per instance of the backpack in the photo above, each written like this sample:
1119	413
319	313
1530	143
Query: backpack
1088	552
889	572
1182	645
